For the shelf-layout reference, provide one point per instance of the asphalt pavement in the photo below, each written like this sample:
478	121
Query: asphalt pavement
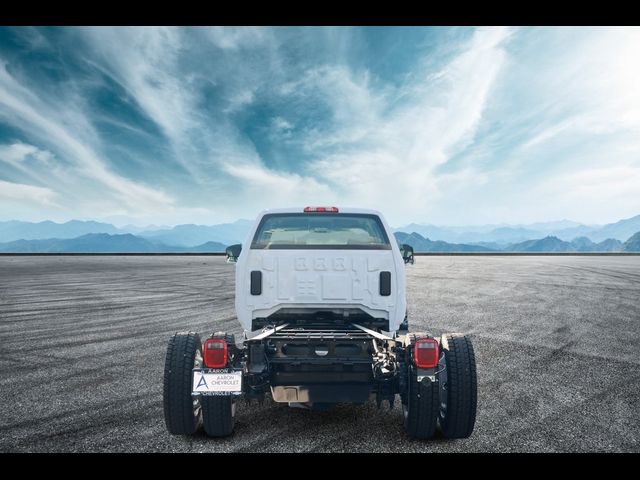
83	339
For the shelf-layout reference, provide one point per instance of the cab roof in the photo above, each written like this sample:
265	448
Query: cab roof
340	210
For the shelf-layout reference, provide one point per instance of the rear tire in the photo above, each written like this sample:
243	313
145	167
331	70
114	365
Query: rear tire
182	412
219	411
218	415
458	386
422	401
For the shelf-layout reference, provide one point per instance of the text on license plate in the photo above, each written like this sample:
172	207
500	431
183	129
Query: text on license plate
206	382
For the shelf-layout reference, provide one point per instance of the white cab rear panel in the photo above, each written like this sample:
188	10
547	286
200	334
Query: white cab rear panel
320	278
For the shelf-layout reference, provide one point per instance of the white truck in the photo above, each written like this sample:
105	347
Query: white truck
320	293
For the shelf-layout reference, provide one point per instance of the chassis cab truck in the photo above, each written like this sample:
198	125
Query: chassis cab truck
320	294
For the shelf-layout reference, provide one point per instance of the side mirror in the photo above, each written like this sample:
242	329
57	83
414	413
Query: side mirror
233	252
407	253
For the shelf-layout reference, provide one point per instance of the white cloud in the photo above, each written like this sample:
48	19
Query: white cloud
385	147
479	136
590	195
239	101
280	130
37	165
378	153
391	151
17	154
590	88
233	38
59	124
355	106
281	124
143	61
27	193
153	65
265	188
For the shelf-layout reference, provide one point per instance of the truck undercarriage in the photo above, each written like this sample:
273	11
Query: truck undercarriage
317	366
323	364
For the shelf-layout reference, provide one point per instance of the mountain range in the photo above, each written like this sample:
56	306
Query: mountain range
187	235
503	235
192	235
103	243
554	244
90	236
421	244
633	244
546	244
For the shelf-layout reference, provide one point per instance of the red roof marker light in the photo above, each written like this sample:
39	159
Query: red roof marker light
320	209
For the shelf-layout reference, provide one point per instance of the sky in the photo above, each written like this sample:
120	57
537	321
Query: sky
439	125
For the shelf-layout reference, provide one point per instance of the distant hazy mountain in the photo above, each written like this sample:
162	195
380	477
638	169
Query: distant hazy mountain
552	226
209	247
135	229
621	230
632	244
504	234
191	235
554	244
498	237
610	245
481	234
421	244
547	244
570	233
509	234
491	245
583	244
430	231
102	243
16	230
180	235
129	243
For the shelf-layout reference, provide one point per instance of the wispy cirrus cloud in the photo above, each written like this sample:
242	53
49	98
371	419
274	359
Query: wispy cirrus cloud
39	196
61	126
380	153
18	153
441	125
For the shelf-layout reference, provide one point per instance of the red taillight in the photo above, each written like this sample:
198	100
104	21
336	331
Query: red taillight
320	209
425	353
215	353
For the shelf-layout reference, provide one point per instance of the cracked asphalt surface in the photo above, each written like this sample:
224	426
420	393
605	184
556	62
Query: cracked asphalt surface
82	345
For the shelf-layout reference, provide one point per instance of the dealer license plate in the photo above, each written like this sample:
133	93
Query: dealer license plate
217	382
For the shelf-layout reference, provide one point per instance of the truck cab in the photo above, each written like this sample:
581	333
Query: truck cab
314	265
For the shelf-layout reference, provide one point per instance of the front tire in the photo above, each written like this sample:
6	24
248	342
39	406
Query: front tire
458	386
182	412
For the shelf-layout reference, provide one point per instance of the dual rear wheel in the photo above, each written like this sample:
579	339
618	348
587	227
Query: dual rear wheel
184	414
449	402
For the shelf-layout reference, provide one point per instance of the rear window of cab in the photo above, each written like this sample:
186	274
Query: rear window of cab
355	231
